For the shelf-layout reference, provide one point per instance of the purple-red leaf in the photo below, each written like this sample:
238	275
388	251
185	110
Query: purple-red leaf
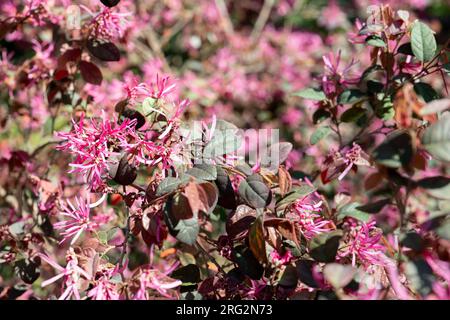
90	72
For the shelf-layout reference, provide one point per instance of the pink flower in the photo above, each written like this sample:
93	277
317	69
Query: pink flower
103	288
78	223
306	212
107	25
342	162
281	259
159	281
159	89
362	243
336	76
93	144
71	275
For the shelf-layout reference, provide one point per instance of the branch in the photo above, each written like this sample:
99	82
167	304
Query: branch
262	19
225	17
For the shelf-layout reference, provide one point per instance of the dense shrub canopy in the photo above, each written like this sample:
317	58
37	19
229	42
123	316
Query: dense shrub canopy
224	149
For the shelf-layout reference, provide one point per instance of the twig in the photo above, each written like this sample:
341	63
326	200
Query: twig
225	17
262	19
211	258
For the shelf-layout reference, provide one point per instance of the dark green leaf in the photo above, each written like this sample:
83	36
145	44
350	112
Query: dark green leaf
405	49
374	207
320	115
247	262
395	151
420	275
255	192
353	114
426	91
351	96
324	246
171	184
188	274
413	241
296	193
438	187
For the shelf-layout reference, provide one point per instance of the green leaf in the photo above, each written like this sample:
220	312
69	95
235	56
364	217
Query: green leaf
255	192
395	151
426	91
203	171
171	184
296	193
311	94
350	96
385	109
375	41
423	43
319	134
436	139
420	276
324	246
188	230
103	237
224	141
351	210
353	114
438	187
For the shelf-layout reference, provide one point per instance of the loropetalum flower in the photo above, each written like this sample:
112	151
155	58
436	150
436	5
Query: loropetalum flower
159	89
362	243
79	220
306	211
72	273
335	76
341	162
93	143
104	288
152	279
281	259
108	24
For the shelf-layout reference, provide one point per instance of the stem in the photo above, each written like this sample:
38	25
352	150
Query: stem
262	19
211	258
225	17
